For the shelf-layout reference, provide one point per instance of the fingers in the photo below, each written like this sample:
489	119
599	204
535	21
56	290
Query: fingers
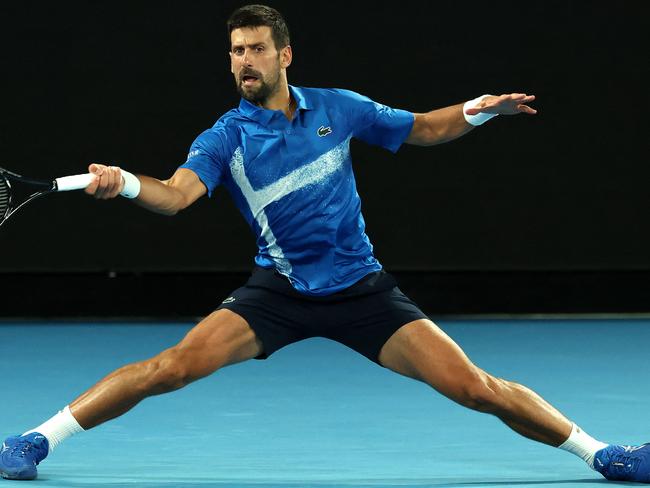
520	100
107	182
507	104
514	96
520	97
526	109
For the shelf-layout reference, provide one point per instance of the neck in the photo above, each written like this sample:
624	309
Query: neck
280	100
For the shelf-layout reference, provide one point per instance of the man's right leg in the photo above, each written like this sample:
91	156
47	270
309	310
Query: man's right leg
221	339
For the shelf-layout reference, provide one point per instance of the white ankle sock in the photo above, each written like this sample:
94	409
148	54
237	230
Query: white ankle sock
582	445
58	428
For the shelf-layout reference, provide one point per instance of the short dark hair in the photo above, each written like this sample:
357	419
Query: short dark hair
258	16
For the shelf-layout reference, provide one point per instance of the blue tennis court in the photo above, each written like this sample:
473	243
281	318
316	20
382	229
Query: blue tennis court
317	414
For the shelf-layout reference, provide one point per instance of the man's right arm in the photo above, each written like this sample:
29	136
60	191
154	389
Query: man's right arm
166	197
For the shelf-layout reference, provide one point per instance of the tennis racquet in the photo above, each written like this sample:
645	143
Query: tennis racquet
16	191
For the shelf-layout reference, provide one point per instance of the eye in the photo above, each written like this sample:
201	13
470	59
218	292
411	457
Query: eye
238	51
260	49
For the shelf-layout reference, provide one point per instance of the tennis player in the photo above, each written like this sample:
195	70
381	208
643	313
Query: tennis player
284	156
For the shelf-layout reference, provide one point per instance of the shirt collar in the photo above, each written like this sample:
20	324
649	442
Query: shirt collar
263	115
300	99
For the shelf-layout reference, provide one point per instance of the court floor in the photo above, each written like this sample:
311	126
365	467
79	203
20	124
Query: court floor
317	414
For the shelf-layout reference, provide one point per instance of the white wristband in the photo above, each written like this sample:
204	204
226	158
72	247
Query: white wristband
131	185
477	119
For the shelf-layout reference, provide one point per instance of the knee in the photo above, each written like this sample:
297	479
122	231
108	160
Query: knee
170	370
482	392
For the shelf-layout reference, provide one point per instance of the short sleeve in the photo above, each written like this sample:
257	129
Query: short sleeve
206	158
375	123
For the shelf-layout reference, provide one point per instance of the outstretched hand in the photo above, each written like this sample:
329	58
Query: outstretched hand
514	103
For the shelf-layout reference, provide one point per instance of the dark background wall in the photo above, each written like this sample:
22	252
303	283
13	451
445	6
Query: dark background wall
134	82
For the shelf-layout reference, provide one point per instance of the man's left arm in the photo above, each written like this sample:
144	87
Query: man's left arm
449	123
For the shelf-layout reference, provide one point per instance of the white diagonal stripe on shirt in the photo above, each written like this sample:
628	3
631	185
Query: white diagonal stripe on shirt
309	174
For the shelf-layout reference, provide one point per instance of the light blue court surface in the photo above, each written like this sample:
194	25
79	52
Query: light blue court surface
318	415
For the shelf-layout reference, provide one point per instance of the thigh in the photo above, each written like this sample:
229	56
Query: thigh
220	339
421	350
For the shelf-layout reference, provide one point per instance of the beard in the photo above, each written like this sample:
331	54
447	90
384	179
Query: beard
261	92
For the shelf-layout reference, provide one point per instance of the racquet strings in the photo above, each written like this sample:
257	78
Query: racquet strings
4	197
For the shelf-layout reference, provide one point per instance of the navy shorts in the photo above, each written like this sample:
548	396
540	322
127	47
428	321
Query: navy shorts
362	317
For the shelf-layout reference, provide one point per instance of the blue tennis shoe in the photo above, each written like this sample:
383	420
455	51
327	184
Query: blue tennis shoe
20	455
624	463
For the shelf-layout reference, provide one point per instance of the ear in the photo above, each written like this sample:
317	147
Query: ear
232	68
286	56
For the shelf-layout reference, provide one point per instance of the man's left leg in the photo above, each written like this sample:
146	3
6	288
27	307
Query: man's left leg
422	351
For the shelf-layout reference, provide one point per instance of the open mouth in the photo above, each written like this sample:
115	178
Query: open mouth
248	79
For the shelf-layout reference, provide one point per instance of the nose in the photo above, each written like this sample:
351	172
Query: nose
245	58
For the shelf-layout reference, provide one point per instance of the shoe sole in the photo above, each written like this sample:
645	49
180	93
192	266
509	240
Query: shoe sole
17	476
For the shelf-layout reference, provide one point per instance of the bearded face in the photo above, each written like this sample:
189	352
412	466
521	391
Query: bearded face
257	87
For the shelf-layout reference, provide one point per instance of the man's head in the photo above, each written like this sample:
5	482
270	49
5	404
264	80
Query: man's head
259	51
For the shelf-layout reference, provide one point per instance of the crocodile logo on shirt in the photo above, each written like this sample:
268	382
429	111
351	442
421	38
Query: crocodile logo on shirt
324	131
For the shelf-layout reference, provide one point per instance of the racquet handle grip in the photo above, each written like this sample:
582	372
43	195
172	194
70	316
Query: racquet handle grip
76	182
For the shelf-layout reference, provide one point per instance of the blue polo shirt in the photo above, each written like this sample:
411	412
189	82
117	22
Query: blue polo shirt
292	181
